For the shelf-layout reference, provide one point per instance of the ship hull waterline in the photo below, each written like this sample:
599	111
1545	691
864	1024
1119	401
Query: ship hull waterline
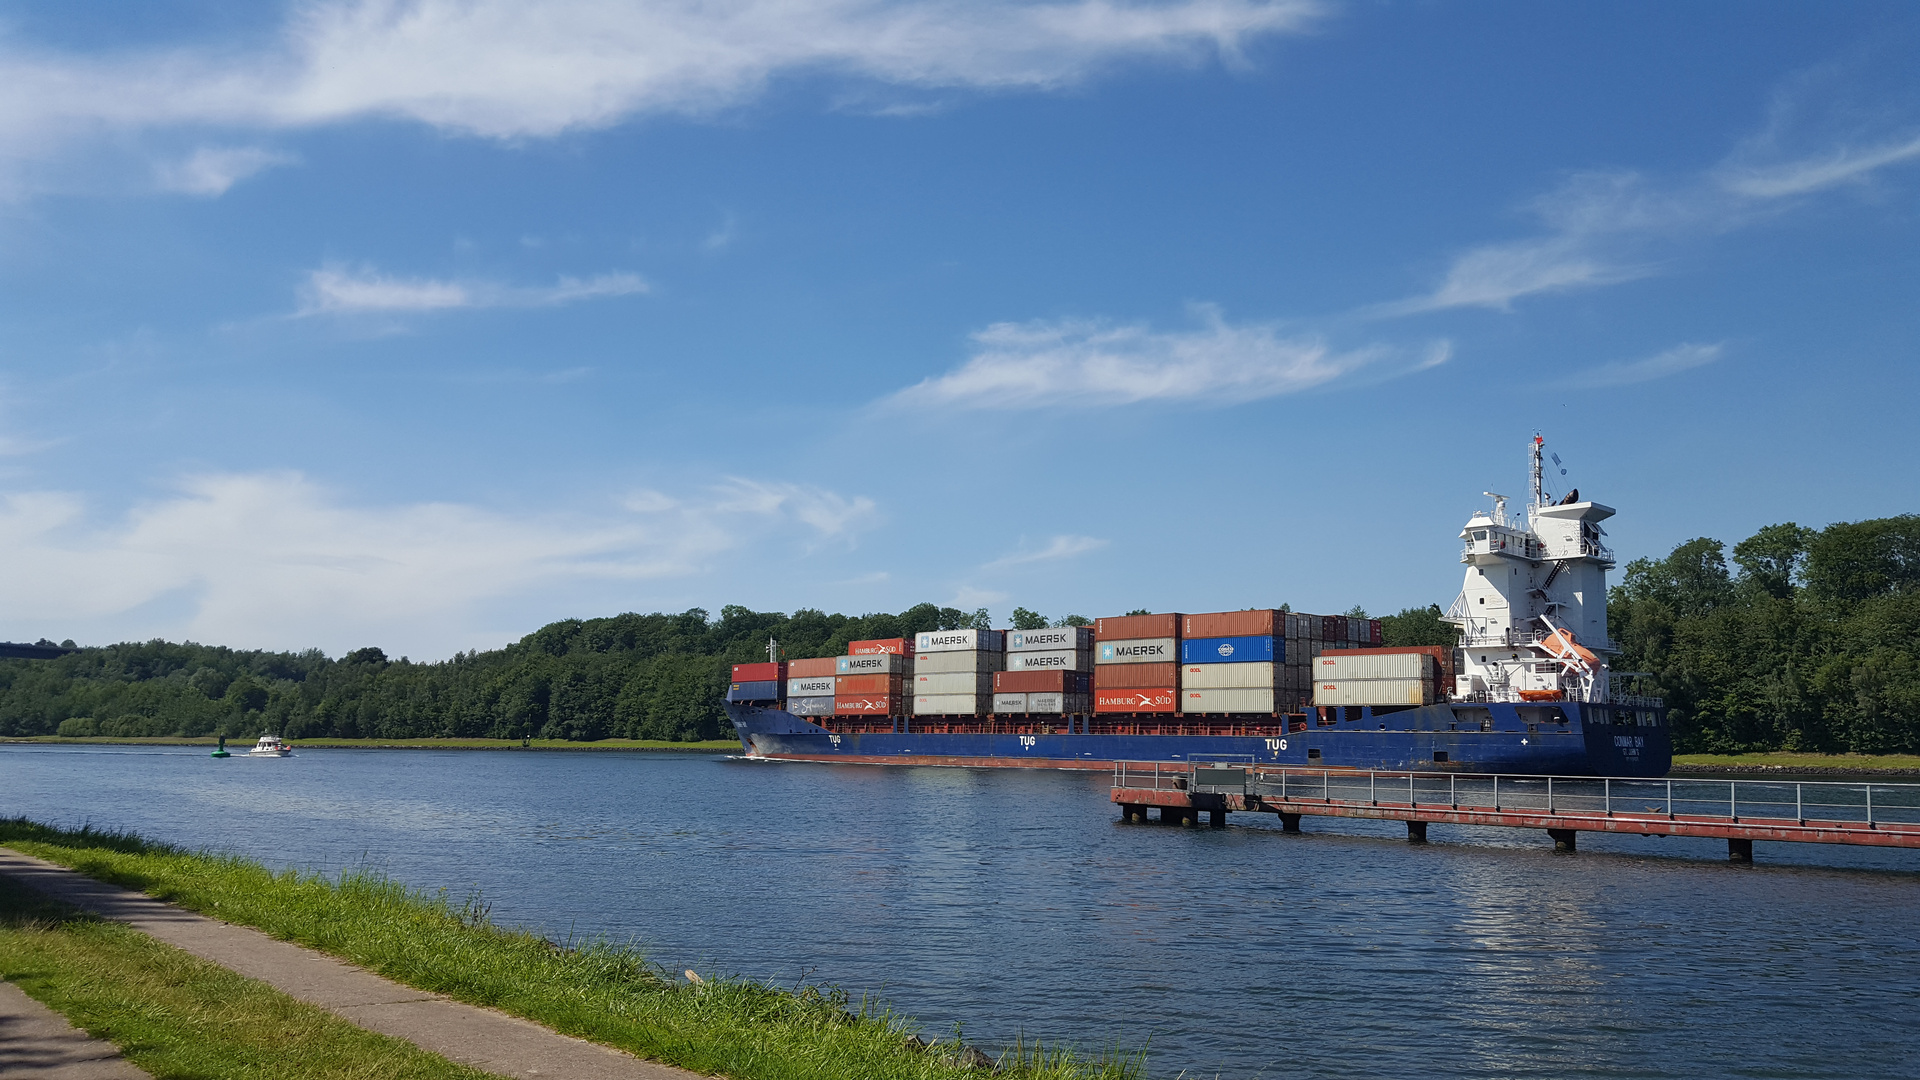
1422	739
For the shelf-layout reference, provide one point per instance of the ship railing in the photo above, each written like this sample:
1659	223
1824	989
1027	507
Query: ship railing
1867	803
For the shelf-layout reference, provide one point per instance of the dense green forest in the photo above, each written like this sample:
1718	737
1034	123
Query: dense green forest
1811	642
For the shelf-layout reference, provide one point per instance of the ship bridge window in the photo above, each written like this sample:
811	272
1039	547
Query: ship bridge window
1480	536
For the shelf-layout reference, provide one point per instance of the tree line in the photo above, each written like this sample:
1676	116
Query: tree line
655	676
1810	640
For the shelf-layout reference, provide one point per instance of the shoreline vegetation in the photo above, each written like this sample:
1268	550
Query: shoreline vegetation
239	744
171	1013
597	990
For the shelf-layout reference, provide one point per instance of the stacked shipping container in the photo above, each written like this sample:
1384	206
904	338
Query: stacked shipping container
1047	671
1376	677
810	685
871	680
953	671
1233	662
757	682
1135	664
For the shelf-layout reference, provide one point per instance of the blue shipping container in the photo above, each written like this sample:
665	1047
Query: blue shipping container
754	691
1233	650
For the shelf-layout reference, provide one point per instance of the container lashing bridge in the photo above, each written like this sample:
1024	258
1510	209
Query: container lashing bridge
1738	811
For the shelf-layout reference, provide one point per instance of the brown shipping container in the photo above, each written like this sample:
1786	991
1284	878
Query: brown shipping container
1161	699
869	705
868	684
1333	628
810	669
1124	676
895	645
1126	627
1256	623
1039	682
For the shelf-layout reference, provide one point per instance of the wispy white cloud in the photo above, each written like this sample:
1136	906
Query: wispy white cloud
508	69
337	290
1604	228
829	513
1671	362
275	560
1077	362
1839	165
1060	547
211	170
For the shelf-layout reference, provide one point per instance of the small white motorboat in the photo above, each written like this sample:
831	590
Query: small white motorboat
270	746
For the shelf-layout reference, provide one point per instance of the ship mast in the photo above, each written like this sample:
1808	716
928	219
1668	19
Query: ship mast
1535	451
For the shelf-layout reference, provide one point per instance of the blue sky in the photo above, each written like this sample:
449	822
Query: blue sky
424	324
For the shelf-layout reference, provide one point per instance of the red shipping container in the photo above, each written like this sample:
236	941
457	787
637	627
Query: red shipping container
1119	676
1257	623
882	683
868	705
1128	627
759	672
1053	681
817	668
1373	632
1333	628
1147	699
898	645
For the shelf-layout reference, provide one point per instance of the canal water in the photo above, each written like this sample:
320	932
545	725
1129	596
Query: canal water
1014	902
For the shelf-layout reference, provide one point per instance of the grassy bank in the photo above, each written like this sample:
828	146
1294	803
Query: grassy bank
708	747
176	1015
1784	761
609	994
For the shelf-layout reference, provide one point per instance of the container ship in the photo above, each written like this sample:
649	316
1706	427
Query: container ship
1526	688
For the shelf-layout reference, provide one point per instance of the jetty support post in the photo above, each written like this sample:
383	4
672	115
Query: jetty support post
1564	839
1416	832
1289	822
1216	819
1739	849
1133	812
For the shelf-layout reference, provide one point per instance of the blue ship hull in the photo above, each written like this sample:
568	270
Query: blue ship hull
1593	740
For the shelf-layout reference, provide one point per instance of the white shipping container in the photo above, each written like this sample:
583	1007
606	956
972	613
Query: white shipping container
1009	703
1337	665
1262	675
1373	692
1053	703
937	641
810	706
954	682
1159	650
871	664
1053	639
1228	700
816	687
975	660
1070	660
951	704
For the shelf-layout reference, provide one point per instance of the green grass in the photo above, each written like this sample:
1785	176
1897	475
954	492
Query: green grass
176	1015
596	990
1785	760
240	744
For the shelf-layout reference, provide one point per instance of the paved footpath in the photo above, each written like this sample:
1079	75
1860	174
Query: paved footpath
37	1043
485	1039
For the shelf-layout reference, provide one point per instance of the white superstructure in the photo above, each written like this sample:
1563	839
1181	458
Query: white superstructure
1533	612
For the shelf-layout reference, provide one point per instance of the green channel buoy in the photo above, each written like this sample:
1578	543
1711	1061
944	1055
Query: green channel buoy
222	751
